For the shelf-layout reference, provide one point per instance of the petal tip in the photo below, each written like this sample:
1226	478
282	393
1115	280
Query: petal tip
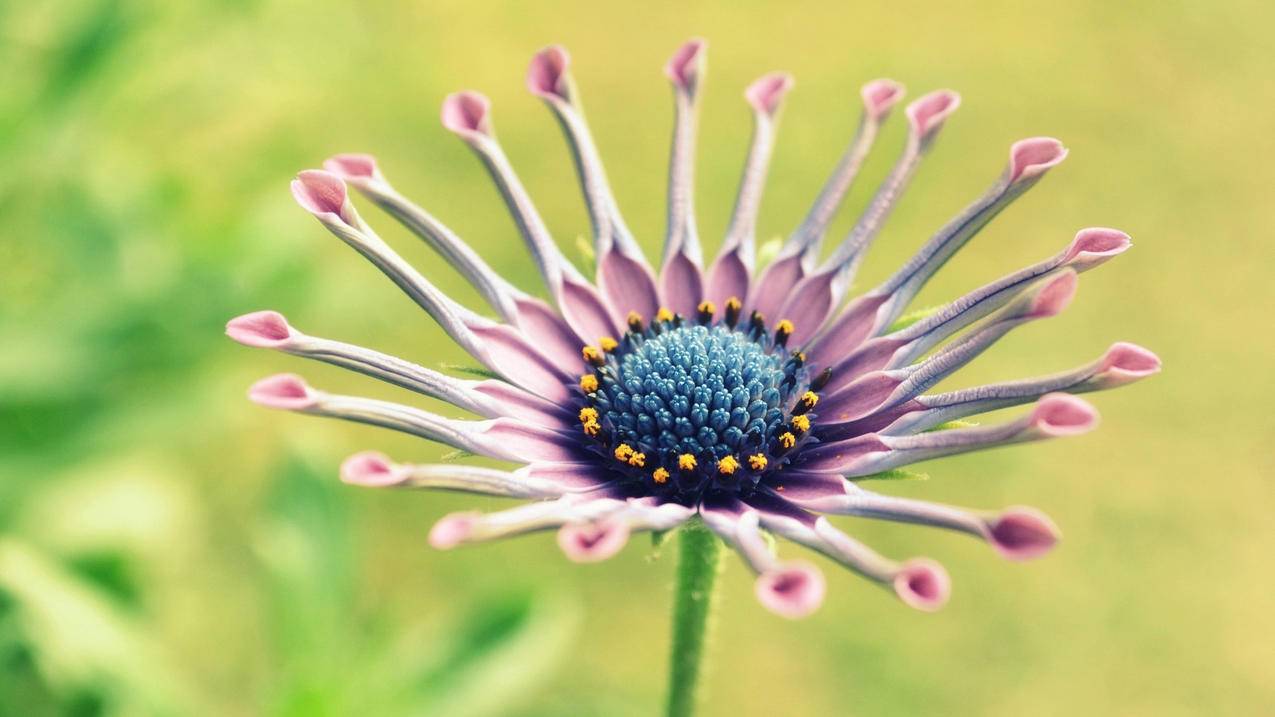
1099	242
687	64
1023	533
1062	414
593	542
260	329
793	590
767	92
353	167
1055	294
451	530
320	192
285	390
1131	360
547	74
880	96
1032	157
928	113
370	469
923	584
467	114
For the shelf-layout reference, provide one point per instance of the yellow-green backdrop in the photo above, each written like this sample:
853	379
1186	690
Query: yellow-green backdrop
168	548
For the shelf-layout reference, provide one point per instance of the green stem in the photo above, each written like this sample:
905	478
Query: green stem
698	562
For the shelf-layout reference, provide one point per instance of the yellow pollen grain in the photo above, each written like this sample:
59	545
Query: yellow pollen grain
638	460
660	476
591	428
608	344
686	462
727	466
800	356
623	452
787	440
663	314
588	414
734	304
801	423
809	399
707	307
784	327
757	462
588	383
633	318
591	354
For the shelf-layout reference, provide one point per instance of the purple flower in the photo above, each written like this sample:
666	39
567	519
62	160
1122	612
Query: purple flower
757	400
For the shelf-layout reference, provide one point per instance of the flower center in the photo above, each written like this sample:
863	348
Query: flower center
683	409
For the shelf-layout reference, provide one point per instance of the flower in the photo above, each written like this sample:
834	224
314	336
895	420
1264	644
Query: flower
754	399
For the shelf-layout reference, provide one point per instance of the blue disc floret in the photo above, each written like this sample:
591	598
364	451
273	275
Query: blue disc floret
685	408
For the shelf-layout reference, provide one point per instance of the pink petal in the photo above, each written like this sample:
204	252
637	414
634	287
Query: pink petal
370	469
923	584
1033	157
321	193
558	342
548	68
452	530
927	114
522	441
771	290
261	329
687	64
681	285
1022	533
584	310
728	277
880	96
509	354
468	114
767	92
627	285
1062	414
353	166
793	590
858	399
593	542
517	403
285	390
1055	295
1130	360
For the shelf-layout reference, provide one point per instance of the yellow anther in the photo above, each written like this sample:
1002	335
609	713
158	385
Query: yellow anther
727	466
734	304
800	356
787	440
608	344
633	318
663	314
784	327
809	399
801	423
588	383
707	307
591	428
757	462
638	460
686	462
660	476
588	414
623	452
592	355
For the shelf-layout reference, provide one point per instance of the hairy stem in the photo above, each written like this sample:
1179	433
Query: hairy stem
698	562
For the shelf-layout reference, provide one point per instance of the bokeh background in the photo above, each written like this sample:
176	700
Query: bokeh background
168	548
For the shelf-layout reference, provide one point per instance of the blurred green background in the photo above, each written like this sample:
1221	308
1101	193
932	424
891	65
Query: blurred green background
168	548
